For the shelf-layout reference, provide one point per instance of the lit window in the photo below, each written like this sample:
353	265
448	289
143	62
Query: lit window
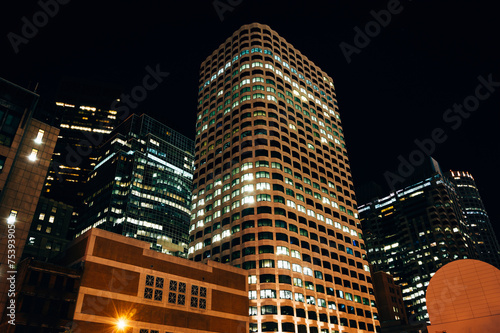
283	264
252	279
252	294
282	250
12	216
48	230
51	219
39	136
34	153
299	297
268	293
247	200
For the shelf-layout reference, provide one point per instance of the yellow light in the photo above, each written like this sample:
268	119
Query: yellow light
121	324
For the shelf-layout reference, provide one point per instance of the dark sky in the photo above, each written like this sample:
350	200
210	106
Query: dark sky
395	90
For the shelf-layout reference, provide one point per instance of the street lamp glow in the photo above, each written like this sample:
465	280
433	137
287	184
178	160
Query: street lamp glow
121	324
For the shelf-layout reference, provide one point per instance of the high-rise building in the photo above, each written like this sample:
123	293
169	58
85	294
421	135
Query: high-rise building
273	191
414	231
86	118
26	146
478	221
141	186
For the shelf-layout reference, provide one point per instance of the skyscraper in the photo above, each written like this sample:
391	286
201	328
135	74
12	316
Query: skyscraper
273	191
413	231
86	118
478	221
141	186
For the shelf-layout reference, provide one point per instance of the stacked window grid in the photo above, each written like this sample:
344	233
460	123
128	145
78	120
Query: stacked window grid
272	187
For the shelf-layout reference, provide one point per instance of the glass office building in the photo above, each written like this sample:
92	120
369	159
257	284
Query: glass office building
141	185
414	231
478	221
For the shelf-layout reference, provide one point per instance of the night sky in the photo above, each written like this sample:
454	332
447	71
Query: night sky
396	89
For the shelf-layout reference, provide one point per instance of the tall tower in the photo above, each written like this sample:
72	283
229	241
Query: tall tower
273	191
141	186
86	118
414	231
478	221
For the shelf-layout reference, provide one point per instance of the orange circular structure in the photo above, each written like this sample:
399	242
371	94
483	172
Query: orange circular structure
464	292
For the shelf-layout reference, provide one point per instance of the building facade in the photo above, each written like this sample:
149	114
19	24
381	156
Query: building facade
141	185
391	309
478	221
110	283
273	191
414	231
48	235
26	147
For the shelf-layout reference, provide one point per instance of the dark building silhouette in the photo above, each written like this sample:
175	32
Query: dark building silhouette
273	191
46	296
85	118
391	309
48	235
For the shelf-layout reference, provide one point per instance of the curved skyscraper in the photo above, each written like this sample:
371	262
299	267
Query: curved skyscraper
273	191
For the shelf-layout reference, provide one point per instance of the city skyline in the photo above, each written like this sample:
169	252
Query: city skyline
395	90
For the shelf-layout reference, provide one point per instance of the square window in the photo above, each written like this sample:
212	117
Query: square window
148	293
181	300
33	155
194	290
150	279
173	285
203	292
194	302
144	330
182	287
159	282
158	294
172	297
203	303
